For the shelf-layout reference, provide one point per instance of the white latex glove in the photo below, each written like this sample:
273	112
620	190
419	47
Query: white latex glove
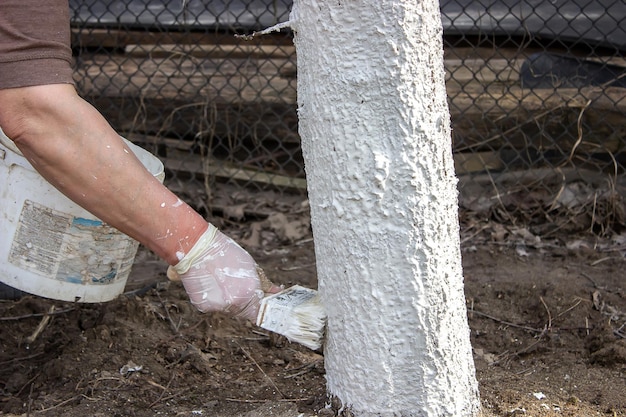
219	275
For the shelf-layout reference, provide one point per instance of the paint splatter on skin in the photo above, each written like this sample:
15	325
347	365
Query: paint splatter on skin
167	234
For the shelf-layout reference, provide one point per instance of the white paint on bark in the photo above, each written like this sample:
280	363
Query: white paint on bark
376	141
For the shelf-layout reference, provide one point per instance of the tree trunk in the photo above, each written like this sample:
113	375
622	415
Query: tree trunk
375	132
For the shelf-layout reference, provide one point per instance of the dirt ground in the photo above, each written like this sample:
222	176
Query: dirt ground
547	318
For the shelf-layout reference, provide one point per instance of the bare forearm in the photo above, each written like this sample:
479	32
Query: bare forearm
74	148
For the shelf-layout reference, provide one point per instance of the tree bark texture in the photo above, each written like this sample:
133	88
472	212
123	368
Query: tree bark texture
375	129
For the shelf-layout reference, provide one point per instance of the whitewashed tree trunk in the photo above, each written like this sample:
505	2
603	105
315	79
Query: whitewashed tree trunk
376	141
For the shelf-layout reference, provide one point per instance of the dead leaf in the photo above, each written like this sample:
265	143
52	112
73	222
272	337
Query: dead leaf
236	212
597	304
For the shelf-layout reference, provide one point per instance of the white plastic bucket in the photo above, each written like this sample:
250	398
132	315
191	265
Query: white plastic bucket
51	247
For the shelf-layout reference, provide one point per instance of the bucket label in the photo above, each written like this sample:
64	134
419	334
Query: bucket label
68	248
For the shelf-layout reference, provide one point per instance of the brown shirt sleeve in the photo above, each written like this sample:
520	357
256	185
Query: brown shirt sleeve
34	43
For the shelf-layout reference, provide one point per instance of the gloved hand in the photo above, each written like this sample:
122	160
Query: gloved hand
219	275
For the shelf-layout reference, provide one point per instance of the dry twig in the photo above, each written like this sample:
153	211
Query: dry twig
62	403
286	400
28	316
549	325
261	369
163	390
508	323
40	328
25	358
175	327
303	370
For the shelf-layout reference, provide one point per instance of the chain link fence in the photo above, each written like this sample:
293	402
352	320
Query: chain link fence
536	94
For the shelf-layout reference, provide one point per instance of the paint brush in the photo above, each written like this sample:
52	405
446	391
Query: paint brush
295	313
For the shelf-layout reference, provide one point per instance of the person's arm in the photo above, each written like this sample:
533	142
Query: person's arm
71	145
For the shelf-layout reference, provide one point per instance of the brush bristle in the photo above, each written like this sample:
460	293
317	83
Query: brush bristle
295	313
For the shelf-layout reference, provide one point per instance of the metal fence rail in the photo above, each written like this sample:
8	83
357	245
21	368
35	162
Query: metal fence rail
536	92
